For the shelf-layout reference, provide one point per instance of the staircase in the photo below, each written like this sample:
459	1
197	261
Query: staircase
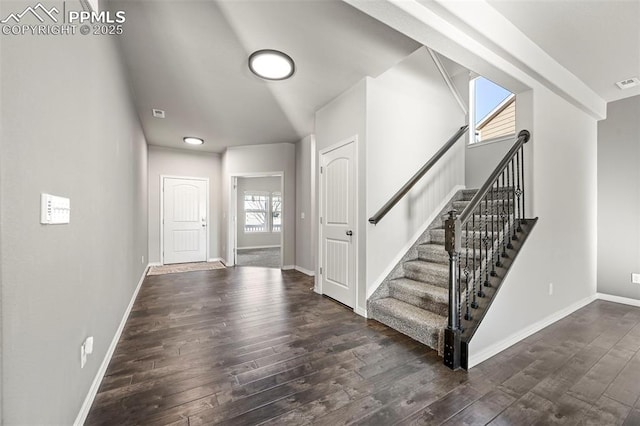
443	286
414	298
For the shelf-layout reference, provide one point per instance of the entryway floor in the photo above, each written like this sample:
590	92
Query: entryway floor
265	257
243	346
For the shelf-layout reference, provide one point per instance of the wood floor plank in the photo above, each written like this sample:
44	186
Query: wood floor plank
483	410
247	346
590	387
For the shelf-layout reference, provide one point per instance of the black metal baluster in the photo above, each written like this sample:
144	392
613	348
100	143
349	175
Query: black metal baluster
524	194
459	295
514	236
486	240
508	230
493	228
520	214
503	218
474	254
467	314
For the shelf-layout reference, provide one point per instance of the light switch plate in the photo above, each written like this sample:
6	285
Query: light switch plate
635	278
54	210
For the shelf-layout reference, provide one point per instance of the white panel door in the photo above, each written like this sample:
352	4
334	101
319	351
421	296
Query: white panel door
185	220
338	205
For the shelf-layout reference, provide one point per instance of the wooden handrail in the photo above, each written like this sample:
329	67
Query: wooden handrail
415	178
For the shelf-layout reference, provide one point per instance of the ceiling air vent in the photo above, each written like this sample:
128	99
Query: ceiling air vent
158	113
628	83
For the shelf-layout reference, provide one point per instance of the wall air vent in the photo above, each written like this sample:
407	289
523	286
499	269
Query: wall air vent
628	83
158	113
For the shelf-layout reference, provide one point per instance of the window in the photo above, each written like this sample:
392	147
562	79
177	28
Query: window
262	212
493	111
276	212
255	212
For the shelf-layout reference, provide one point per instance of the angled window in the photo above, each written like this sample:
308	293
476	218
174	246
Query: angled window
493	111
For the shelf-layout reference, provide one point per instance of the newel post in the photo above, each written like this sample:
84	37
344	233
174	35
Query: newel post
452	333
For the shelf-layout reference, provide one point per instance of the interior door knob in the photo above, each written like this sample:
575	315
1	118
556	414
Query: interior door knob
349	232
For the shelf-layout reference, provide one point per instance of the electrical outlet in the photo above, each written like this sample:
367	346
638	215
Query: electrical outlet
550	289
635	278
142	260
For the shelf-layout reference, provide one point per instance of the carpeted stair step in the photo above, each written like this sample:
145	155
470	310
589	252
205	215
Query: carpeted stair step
435	253
437	236
424	326
422	295
467	194
427	272
478	218
459	206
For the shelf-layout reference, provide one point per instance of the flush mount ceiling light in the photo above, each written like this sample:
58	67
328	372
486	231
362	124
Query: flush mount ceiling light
271	64
193	141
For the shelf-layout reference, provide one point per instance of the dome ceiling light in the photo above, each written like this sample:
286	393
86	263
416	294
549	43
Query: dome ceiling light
193	141
271	64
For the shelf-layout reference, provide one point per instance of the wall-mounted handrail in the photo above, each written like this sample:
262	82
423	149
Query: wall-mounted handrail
415	178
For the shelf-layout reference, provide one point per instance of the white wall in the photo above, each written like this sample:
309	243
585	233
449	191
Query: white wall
342	118
562	247
68	128
270	185
619	199
305	204
173	162
262	159
411	113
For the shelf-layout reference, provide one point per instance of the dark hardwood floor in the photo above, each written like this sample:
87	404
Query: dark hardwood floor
250	346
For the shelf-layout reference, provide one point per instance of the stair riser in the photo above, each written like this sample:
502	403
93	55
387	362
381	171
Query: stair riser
468	194
436	256
427	275
427	336
423	302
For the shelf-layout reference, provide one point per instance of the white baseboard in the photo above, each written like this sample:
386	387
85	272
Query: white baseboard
288	267
93	390
215	259
412	241
618	299
305	271
256	247
360	311
500	346
154	264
